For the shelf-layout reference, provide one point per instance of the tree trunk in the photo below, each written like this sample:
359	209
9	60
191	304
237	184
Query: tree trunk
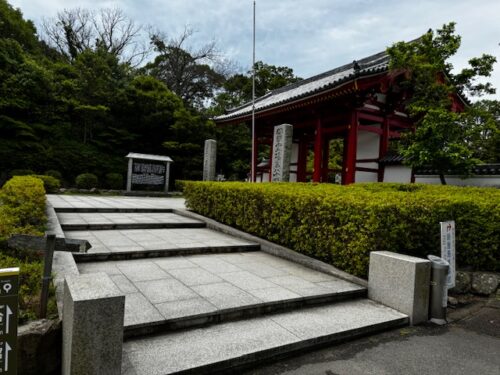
443	180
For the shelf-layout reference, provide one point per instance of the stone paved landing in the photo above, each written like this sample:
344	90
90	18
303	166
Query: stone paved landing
136	240
234	343
72	220
183	287
113	202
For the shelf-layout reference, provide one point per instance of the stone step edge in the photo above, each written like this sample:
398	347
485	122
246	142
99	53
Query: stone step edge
162	253
118	226
112	210
240	313
247	361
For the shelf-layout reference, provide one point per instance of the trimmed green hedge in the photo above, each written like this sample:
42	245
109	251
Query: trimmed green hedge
22	206
86	181
50	183
343	224
22	211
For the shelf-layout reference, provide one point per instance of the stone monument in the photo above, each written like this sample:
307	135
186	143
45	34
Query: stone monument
282	152
148	170
209	160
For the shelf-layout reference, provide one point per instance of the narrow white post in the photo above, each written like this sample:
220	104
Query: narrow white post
129	175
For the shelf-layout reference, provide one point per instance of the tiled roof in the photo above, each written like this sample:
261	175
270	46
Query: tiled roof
134	155
481	169
391	159
314	85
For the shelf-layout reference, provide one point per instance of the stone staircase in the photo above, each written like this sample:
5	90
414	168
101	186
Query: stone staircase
201	301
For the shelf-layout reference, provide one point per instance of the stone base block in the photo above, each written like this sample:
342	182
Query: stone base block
93	315
401	282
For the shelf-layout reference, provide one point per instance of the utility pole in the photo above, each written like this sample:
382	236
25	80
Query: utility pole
252	177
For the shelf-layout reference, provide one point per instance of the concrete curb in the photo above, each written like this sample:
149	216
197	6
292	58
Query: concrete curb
274	249
63	265
53	225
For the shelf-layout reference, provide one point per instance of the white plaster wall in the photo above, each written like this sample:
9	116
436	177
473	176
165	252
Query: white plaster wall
368	148
294	159
295	153
366	176
484	181
368	144
397	173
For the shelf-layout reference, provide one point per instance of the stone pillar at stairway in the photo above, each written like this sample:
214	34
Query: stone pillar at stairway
209	160
282	152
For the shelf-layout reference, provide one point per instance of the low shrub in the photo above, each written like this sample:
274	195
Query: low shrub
51	184
22	208
179	185
54	173
86	181
21	172
343	224
113	181
30	286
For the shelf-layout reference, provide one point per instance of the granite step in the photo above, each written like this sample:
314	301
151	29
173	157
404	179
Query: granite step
129	253
164	294
72	221
227	347
112	210
150	243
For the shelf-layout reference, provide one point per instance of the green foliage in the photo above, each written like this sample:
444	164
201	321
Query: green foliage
51	184
486	144
13	26
31	272
444	133
238	87
21	172
22	211
343	224
86	181
54	173
22	208
114	181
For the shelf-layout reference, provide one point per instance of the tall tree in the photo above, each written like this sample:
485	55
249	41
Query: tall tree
237	89
76	30
186	71
443	135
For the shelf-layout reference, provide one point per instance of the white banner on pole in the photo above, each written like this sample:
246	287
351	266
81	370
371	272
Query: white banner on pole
448	249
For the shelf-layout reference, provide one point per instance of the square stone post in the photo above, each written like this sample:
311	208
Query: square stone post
282	153
167	176
93	313
401	282
129	175
209	160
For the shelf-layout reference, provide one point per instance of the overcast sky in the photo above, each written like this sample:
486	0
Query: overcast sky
310	36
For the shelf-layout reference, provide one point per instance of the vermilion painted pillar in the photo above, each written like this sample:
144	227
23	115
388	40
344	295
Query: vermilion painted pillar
383	147
352	144
318	145
256	158
326	157
302	159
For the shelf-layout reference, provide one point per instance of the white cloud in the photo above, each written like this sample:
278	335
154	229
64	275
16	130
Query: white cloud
309	36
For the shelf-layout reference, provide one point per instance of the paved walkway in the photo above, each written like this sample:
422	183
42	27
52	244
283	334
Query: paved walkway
130	240
117	202
121	218
199	300
170	288
469	345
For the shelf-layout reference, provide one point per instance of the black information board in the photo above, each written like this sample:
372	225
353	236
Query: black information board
9	309
144	173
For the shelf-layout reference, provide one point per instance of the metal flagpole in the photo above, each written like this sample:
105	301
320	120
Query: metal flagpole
253	100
